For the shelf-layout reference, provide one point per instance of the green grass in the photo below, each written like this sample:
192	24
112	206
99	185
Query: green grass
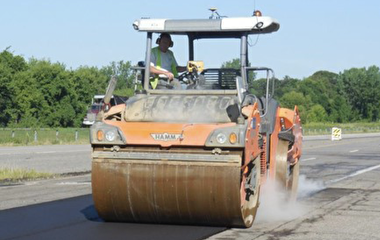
14	175
43	136
325	128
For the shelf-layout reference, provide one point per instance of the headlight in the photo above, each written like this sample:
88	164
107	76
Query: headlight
102	133
221	138
231	137
110	136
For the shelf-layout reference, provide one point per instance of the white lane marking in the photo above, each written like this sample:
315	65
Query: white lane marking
61	151
352	151
307	159
46	152
74	183
354	174
30	183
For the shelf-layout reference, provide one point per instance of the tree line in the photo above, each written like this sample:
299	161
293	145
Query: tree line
349	96
39	93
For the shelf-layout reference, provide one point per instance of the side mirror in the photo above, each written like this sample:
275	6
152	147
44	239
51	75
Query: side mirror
240	88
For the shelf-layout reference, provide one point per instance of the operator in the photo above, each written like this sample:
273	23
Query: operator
162	61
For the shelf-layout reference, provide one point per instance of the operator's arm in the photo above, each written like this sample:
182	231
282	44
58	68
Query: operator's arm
155	70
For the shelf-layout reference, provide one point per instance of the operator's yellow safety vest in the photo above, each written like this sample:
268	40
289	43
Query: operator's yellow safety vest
157	52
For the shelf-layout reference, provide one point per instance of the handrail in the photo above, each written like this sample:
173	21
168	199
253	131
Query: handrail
269	79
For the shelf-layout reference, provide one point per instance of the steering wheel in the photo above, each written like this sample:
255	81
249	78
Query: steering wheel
182	76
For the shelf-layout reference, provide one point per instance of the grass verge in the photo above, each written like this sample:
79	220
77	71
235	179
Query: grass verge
16	175
347	128
43	136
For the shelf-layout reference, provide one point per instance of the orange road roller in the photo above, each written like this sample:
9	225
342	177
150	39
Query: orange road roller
196	154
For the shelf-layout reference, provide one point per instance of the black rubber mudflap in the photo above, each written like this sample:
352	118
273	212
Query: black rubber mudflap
287	136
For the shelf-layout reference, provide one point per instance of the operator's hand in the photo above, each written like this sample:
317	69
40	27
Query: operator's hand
169	75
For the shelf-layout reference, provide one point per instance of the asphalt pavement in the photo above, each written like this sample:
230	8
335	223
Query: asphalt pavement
339	198
57	159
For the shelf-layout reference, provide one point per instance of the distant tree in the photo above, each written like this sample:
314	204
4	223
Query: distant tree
315	90
87	81
44	96
341	111
29	102
317	114
14	63
286	85
258	87
321	87
329	79
361	88
122	70
38	93
293	98
234	63
290	99
9	66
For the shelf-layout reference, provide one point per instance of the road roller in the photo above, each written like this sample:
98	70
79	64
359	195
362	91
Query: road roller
198	154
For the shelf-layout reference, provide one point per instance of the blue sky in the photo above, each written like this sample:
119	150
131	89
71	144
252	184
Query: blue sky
331	35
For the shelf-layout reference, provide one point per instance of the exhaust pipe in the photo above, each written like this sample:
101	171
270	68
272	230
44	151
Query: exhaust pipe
107	98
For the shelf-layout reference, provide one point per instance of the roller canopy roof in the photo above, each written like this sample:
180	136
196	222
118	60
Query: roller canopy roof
209	27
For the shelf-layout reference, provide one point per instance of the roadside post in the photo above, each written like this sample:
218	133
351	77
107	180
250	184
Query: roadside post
336	134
